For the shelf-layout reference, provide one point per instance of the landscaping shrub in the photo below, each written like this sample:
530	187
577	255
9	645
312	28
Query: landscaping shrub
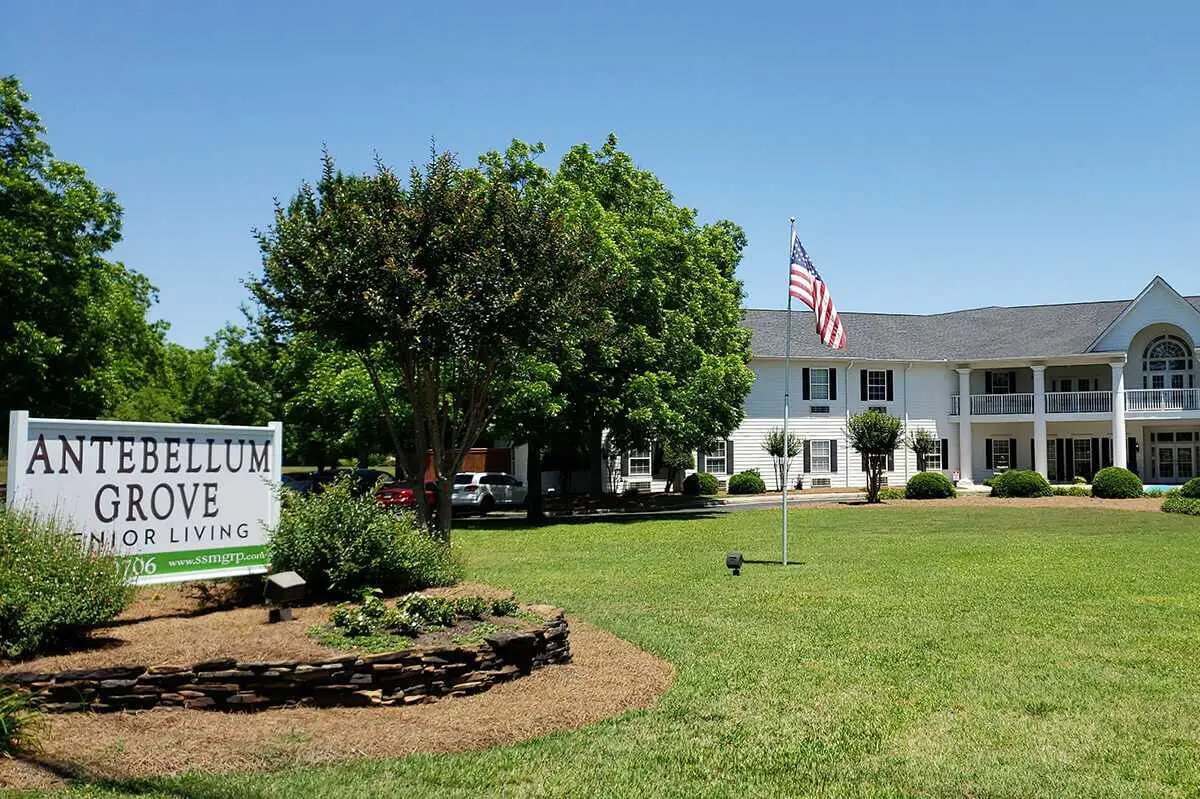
1191	489
504	607
929	485
892	492
747	482
1116	483
51	589
343	545
19	722
472	607
1020	483
1079	481
1071	491
433	611
1181	504
700	484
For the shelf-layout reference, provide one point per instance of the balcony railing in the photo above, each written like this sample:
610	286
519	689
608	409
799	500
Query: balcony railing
1163	399
999	404
954	405
1079	402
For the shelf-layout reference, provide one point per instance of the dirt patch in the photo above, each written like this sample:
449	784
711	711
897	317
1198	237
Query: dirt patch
608	676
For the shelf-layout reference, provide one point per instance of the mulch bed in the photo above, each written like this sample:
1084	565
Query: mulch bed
608	676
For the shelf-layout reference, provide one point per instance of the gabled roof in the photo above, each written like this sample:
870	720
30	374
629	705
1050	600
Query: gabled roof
1027	331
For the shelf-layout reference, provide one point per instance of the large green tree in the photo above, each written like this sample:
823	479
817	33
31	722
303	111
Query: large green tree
451	278
74	339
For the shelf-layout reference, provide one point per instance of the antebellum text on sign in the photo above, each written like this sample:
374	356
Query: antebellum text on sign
176	502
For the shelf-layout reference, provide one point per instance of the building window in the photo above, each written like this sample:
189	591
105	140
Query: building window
876	386
933	460
1167	354
819	452
639	462
714	460
1083	457
818	384
1000	383
1001	456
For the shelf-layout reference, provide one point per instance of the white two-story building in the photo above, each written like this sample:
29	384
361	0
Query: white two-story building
1062	389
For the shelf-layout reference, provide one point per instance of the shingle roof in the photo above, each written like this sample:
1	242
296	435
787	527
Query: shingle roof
978	333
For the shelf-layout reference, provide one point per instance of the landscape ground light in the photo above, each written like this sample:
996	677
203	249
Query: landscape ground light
733	561
282	590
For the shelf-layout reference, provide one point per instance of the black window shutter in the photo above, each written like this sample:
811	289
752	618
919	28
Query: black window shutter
625	464
862	374
1012	453
1106	452
866	467
1131	455
807	457
987	453
804	383
1012	382
1069	447
890	392
945	453
1033	454
700	461
729	457
656	458
1061	460
833	454
891	461
1095	456
833	384
920	462
987	385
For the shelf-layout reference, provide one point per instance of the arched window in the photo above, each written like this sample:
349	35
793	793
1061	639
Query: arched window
1168	364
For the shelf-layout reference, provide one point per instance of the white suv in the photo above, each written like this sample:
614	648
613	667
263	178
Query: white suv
486	491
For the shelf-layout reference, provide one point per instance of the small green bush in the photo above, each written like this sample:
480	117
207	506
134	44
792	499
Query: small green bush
892	492
20	725
699	484
747	482
1071	491
505	607
1182	504
1079	481
1020	483
52	590
929	485
343	545
434	611
1116	483
472	607
1191	489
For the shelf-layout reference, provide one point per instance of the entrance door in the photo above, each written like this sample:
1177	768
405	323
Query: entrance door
1173	456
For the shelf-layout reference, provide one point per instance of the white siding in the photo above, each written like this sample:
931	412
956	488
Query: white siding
1160	305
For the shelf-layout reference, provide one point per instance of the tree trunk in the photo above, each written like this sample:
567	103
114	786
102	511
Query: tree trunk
596	464
535	510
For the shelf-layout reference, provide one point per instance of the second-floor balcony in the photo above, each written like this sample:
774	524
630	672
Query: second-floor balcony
1137	401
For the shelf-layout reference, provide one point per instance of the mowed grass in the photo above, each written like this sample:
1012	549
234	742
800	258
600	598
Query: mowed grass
978	652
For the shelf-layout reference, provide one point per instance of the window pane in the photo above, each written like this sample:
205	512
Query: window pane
818	382
877	385
819	454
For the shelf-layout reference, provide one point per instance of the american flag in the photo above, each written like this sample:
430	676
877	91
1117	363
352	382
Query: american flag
807	286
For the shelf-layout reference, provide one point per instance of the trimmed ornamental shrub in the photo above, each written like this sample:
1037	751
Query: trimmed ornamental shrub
700	484
1191	489
1116	483
1020	483
343	545
747	482
52	590
929	485
892	492
1071	491
1181	504
19	722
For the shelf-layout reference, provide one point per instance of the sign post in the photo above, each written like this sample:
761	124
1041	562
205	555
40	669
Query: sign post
173	502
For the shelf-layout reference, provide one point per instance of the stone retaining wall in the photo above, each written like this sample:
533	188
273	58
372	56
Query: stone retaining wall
394	678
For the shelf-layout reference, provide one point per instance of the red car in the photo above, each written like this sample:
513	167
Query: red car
400	495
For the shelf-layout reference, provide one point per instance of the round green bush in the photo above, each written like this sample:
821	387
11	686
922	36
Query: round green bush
747	482
52	590
343	544
928	485
700	484
1116	483
1191	489
1020	483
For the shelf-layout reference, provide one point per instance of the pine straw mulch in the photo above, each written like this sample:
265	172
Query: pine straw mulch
608	676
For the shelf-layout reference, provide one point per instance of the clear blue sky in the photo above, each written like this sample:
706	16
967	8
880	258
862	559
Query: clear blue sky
937	155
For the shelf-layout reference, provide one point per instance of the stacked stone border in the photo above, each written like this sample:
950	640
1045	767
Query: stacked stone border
405	677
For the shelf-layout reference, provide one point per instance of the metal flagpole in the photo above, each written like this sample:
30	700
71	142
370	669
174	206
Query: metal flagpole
787	364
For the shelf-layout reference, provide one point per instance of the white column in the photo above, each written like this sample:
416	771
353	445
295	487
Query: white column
964	428
1119	453
1039	420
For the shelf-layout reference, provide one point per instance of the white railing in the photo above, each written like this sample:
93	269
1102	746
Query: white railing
1079	402
1163	399
954	405
998	404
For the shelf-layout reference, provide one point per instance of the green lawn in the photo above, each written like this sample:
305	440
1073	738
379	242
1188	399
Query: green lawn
979	652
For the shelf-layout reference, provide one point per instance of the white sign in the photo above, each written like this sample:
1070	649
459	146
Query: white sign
174	501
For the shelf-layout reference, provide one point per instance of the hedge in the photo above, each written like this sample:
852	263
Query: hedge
1116	483
699	484
1020	483
928	485
1191	489
747	482
1182	504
